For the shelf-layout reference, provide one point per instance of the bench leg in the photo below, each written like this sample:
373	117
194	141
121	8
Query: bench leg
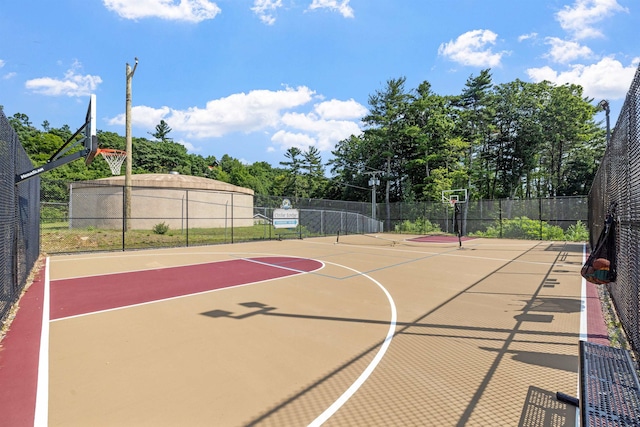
567	399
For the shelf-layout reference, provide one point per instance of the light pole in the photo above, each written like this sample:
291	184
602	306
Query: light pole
373	182
129	149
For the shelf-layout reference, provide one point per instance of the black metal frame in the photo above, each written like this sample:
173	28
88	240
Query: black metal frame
609	387
88	141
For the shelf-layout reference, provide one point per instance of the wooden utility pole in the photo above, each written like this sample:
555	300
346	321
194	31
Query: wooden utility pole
129	149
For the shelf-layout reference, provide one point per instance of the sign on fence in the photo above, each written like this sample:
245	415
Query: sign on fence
285	218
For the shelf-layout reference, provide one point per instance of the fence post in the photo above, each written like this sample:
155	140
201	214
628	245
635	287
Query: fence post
124	217
232	215
186	212
500	215
540	215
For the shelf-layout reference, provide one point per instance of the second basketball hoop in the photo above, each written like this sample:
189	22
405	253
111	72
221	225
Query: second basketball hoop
114	158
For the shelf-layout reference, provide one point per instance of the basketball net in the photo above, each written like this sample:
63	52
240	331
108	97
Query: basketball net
114	158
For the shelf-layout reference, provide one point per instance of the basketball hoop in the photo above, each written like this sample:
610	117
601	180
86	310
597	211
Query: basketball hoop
453	199
115	158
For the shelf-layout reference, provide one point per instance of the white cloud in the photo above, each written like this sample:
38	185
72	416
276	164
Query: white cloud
326	132
606	79
146	117
178	10
564	51
341	7
189	146
8	75
524	37
287	140
335	109
241	112
473	48
580	19
73	83
265	8
272	112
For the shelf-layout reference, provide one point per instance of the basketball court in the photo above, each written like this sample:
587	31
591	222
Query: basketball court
374	330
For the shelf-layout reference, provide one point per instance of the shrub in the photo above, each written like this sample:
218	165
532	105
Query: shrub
577	233
161	228
523	228
419	226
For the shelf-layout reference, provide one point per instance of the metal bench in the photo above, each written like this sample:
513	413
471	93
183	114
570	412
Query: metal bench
609	387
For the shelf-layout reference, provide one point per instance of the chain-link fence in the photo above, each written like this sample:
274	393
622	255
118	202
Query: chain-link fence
19	219
503	218
91	216
616	187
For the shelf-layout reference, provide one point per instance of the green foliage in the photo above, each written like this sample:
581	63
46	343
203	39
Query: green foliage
162	130
577	232
523	228
53	214
419	226
161	228
509	140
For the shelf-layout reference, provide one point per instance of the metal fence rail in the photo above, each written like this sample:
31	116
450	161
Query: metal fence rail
75	219
19	219
91	217
617	184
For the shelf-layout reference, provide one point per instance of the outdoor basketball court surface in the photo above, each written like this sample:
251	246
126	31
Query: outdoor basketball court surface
364	332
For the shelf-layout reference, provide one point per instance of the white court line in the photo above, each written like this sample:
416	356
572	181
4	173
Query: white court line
151	268
284	267
41	417
301	272
331	410
448	253
583	321
583	313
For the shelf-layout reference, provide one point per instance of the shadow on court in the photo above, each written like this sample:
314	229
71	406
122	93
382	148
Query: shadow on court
377	336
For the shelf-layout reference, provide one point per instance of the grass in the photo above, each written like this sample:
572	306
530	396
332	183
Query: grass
57	237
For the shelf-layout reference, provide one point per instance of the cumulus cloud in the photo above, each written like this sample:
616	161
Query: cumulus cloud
178	10
336	109
341	7
473	48
524	37
325	132
580	19
265	10
72	84
144	116
189	146
276	113
564	51
1	63
607	78
286	140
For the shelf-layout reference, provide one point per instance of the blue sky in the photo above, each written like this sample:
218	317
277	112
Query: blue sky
252	78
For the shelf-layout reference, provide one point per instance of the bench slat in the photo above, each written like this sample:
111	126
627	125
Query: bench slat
609	389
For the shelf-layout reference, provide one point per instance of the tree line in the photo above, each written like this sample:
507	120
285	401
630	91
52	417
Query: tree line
511	140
